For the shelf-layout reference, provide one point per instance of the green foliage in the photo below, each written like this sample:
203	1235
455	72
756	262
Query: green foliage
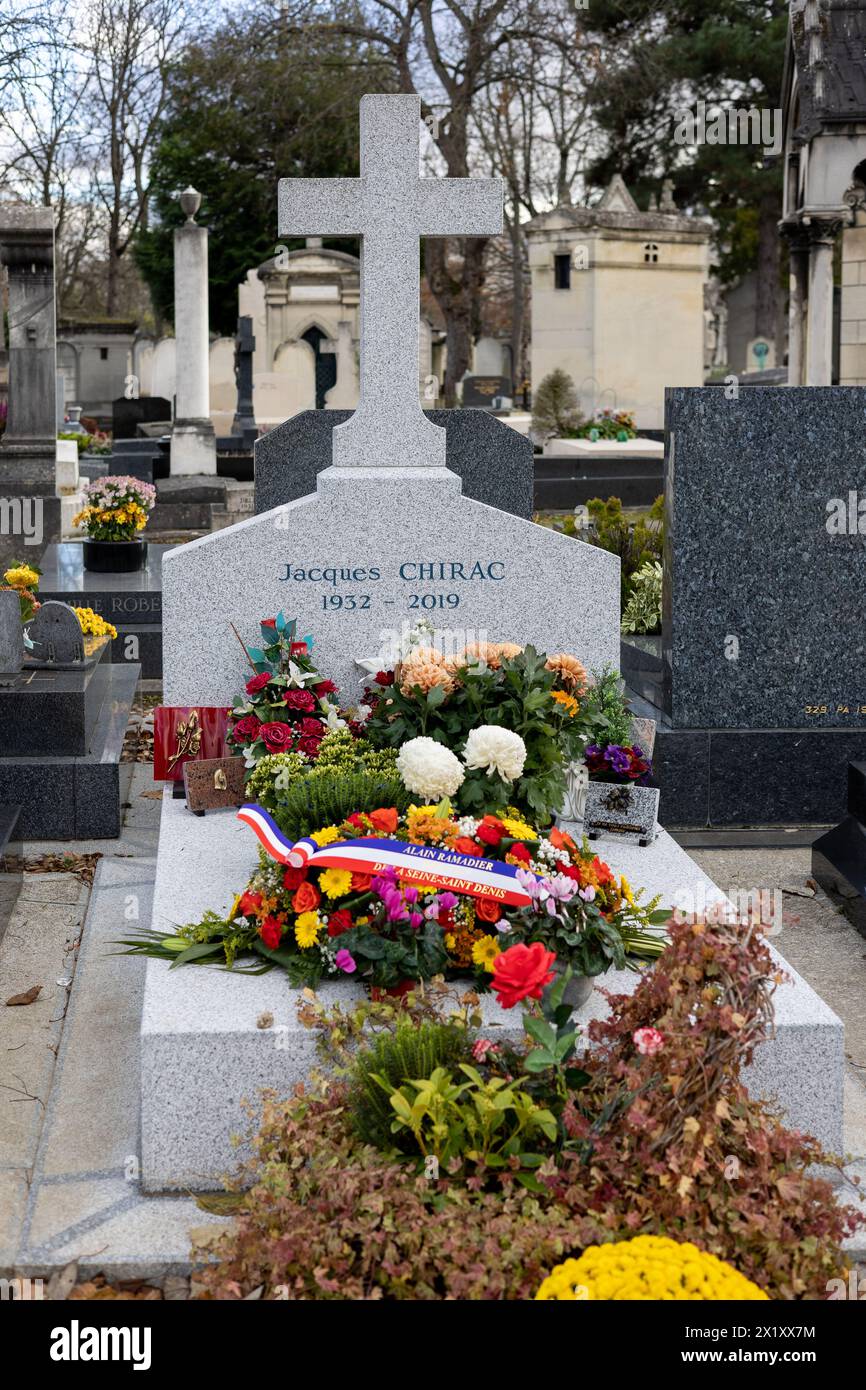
643	611
483	1120
275	781
555	408
394	1057
635	542
606	708
517	696
328	798
82	440
258	99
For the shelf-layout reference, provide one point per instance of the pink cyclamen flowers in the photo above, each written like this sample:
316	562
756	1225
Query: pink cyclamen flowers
345	961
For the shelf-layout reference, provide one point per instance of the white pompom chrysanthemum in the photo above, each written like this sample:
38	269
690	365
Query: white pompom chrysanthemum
429	769
496	750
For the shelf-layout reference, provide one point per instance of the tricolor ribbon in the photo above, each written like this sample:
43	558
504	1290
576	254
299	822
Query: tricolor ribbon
445	869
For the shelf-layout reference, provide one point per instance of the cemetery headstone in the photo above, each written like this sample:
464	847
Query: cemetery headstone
193	443
127	415
762	674
11	633
493	461
385	539
244	422
492	392
54	636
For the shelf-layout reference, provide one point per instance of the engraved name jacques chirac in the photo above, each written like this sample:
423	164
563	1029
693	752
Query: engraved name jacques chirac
410	572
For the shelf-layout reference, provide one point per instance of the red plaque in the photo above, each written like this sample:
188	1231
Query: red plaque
183	734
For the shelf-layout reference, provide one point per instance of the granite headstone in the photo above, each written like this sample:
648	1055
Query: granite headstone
486	391
127	415
493	460
765	559
54	636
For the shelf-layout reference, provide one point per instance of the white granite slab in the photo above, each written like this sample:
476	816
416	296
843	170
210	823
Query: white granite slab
368	555
201	1052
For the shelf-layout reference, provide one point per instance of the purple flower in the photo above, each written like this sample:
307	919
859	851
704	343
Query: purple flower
448	901
587	893
503	925
410	895
592	751
415	920
529	882
345	961
618	759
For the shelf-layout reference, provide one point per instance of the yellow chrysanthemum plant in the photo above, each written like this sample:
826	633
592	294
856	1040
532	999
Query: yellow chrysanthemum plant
23	577
647	1268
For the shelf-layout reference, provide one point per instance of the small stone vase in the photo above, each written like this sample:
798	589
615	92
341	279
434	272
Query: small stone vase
578	989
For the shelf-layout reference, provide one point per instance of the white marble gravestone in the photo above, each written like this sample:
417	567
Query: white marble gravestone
386	539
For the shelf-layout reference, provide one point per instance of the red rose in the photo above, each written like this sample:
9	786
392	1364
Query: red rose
246	730
271	933
257	683
520	852
308	725
249	904
293	878
488	910
299	649
277	737
464	845
269	622
522	972
307	897
490	831
385	819
303	700
325	688
310	745
361	882
339	921
384	677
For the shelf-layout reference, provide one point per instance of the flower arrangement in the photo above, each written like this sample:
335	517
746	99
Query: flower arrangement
116	508
23	577
512	715
648	1267
287	707
93	624
388	929
618	763
639	1140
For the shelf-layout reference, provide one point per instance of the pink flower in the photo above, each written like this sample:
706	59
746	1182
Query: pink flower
484	1048
648	1041
345	961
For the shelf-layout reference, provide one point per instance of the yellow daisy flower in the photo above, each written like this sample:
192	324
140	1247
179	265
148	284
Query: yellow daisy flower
327	836
484	952
307	928
335	882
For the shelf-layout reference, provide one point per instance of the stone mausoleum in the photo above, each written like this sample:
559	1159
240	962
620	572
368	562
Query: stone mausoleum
603	281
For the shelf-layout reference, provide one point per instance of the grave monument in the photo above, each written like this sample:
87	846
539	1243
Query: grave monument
386	538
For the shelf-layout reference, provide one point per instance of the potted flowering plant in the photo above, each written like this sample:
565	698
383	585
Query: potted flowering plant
115	511
619	798
287	706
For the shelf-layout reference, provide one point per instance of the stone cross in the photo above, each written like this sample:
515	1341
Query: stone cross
390	207
244	421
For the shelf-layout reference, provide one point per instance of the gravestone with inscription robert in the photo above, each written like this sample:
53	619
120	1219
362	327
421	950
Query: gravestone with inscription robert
762	677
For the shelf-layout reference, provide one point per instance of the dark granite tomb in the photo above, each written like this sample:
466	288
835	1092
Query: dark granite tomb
494	461
760	684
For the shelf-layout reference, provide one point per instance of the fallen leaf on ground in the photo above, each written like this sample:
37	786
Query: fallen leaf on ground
220	1203
28	997
154	796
